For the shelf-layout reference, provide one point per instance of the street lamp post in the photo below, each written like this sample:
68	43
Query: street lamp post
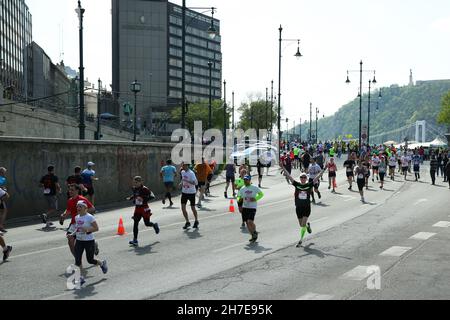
300	131
210	95
80	11
232	113
298	55
97	134
310	123
225	114
271	110
267	108
317	117
135	88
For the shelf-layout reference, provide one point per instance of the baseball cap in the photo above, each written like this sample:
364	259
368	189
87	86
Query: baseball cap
248	178
81	203
303	175
90	164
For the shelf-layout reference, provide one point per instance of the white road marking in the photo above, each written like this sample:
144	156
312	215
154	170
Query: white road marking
315	296
420	201
356	274
422	235
395	251
442	224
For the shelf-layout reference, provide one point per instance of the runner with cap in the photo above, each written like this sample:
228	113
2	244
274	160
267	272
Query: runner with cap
239	184
85	226
250	196
303	192
168	174
88	176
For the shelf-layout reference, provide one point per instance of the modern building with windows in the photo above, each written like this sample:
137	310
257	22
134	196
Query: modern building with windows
15	39
147	38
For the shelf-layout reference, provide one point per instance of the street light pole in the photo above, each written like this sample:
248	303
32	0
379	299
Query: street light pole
271	110
310	122
225	114
279	94
97	135
360	104
368	116
267	108
317	113
232	105
135	87
300	129
82	125
183	65
210	95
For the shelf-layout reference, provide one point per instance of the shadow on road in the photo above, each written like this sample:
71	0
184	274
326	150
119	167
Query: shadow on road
140	251
256	248
195	234
320	253
87	290
171	208
320	204
205	209
49	229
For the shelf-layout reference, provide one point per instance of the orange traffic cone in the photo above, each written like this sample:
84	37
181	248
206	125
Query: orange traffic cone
232	210
121	229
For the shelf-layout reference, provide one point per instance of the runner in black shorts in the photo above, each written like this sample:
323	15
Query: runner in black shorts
361	173
188	183
349	166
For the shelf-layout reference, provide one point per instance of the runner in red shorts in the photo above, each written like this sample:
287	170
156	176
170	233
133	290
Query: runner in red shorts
141	196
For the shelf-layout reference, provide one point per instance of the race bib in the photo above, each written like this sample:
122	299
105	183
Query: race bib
349	170
302	195
139	202
47	191
360	176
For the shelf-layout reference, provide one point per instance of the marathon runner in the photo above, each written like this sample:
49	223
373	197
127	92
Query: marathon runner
49	184
314	171
188	183
77	179
349	165
433	168
320	159
303	191
416	165
366	164
405	164
230	171
202	171
361	173
6	249
88	175
168	174
332	169
392	165
239	184
375	164
260	170
212	165
382	170
3	206
85	226
141	196
250	195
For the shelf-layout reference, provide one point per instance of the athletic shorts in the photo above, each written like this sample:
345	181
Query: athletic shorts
52	202
331	174
248	214
201	184
382	174
303	211
3	205
361	184
169	184
317	184
89	192
404	169
391	167
240	203
185	197
417	169
209	178
231	179
71	229
349	174
144	212
375	168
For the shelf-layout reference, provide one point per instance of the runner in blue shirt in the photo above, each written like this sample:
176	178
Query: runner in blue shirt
88	176
168	174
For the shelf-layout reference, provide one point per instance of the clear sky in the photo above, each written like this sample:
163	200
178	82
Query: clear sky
390	36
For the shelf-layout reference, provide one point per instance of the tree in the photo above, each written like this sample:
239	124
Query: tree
257	111
444	115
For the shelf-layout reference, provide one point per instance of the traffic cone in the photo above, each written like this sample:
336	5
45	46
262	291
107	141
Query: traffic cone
121	229
232	210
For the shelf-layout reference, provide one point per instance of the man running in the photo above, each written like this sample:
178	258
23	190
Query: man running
71	210
375	164
392	165
250	195
77	179
416	165
202	171
306	159
239	184
433	168
188	183
303	192
382	170
85	227
3	206
349	165
320	159
405	164
260	170
49	184
314	171
88	175
168	174
212	164
230	171
332	169
141	196
361	173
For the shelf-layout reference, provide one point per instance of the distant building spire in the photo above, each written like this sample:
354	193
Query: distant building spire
411	81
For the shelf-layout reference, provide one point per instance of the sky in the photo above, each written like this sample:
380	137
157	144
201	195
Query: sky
389	36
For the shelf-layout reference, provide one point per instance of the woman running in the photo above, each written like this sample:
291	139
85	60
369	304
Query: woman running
332	168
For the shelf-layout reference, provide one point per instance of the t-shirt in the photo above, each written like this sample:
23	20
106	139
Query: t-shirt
188	182
416	160
375	161
230	170
319	159
168	173
382	167
203	170
141	196
87	175
248	192
84	222
314	170
361	172
49	181
72	206
75	179
302	193
331	167
296	151
2	193
404	160
349	164
392	161
2	182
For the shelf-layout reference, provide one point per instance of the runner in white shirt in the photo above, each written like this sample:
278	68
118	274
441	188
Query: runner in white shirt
188	183
375	164
313	171
392	165
405	163
250	194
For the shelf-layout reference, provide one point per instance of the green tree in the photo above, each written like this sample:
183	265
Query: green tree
444	115
257	111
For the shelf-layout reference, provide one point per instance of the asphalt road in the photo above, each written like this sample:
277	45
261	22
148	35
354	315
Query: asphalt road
217	261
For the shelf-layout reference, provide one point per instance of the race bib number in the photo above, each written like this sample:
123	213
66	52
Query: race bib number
303	195
139	202
47	191
360	176
349	170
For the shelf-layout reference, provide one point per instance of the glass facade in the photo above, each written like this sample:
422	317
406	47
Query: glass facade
15	41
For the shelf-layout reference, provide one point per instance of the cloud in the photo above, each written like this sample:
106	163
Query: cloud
441	25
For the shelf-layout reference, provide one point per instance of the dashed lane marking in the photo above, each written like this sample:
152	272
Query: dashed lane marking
422	235
395	251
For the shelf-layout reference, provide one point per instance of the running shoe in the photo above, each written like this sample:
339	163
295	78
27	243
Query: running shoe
329	187
164	201
373	180
49	224
254	237
299	244
96	250
195	226
313	200
61	220
82	281
44	218
171	203
308	228
3	230
362	200
320	196
156	227
225	195
6	253
104	266
133	243
350	188
187	225
199	205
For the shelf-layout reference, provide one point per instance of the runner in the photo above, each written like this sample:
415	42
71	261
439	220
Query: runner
404	163
202	171
375	163
88	175
314	171
260	170
433	169
71	210
306	159
349	165
212	164
141	196
320	160
303	192
239	184
230	171
392	165
6	249
168	174
296	157
287	164
332	169
3	206
360	173
416	165
382	170
366	164
188	183
250	195
447	171
77	179
49	184
86	225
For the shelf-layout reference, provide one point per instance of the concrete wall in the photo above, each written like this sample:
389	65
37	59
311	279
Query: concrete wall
26	160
